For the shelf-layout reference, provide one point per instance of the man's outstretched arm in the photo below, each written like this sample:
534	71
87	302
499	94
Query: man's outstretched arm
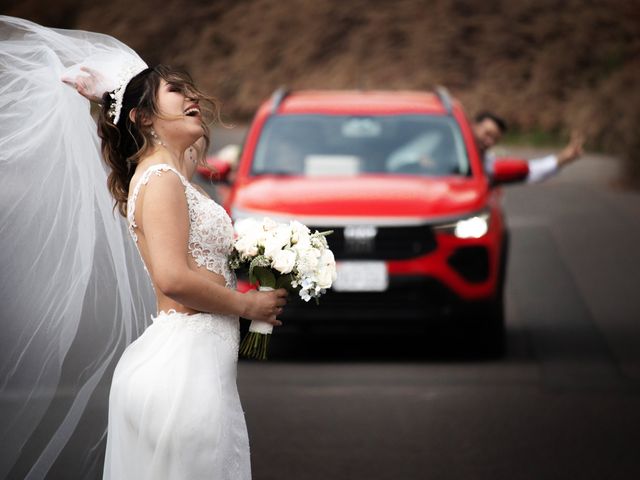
542	168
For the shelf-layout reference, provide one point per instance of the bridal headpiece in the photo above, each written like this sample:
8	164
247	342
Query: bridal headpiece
107	72
126	74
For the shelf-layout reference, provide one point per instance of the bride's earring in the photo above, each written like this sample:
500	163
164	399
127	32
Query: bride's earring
156	138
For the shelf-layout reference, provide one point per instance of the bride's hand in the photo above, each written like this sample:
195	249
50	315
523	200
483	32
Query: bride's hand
265	306
91	86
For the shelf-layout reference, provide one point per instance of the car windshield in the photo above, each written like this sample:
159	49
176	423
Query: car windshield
337	145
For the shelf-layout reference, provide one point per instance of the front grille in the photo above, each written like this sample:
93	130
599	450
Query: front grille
389	243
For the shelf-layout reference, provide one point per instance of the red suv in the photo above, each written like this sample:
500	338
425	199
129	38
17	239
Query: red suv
418	226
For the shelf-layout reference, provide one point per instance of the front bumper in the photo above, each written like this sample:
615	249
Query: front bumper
446	275
407	298
436	286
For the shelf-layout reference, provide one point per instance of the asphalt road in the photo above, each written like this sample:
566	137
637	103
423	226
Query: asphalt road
564	403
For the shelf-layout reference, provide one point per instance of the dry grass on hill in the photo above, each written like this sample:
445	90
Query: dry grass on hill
546	65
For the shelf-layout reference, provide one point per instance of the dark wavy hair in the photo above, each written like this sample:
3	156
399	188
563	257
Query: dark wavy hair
125	143
499	121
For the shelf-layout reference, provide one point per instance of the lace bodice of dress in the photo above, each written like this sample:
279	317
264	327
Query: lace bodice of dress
210	229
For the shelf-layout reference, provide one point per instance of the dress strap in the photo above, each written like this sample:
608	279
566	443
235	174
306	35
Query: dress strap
144	179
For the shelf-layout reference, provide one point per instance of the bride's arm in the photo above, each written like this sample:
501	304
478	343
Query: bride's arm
165	224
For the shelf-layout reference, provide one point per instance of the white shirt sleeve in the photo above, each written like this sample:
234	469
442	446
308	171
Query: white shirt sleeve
542	168
489	160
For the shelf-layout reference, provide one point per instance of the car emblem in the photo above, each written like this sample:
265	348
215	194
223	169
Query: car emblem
360	238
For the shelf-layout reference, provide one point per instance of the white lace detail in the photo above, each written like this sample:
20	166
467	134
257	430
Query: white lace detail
227	327
210	231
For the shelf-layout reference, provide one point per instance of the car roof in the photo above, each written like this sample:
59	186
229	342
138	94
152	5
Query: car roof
368	102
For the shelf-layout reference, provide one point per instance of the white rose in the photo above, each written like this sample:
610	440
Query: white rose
284	261
269	224
247	246
327	259
276	240
303	243
326	273
324	277
298	230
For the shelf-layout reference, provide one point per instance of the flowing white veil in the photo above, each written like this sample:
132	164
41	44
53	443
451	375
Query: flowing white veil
73	291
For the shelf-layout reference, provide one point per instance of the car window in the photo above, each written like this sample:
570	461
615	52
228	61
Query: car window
337	145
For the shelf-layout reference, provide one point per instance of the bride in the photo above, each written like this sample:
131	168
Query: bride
174	411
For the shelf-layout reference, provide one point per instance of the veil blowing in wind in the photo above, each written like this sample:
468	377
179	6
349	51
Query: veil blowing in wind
73	291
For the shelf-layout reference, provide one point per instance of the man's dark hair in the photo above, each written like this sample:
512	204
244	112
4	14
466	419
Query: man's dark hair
502	125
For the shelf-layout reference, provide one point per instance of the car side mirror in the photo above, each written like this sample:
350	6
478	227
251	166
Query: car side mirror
509	170
221	166
217	169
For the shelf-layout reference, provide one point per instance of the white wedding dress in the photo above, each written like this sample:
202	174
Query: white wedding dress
174	410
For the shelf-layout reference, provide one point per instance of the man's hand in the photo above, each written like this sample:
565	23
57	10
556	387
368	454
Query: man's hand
573	150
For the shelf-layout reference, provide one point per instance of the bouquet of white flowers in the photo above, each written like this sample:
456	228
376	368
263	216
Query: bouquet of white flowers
281	255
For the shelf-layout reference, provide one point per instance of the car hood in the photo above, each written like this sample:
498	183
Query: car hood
371	196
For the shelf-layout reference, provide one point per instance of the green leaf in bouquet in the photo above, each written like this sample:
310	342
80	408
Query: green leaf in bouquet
234	261
259	261
319	239
285	282
265	276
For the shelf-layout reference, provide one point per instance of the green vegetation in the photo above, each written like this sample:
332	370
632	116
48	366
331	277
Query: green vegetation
535	138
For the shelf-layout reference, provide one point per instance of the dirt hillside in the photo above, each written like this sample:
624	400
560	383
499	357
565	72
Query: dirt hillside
546	65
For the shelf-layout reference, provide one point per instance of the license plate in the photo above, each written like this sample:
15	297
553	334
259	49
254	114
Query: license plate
361	277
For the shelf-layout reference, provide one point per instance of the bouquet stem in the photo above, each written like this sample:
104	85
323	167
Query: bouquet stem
256	342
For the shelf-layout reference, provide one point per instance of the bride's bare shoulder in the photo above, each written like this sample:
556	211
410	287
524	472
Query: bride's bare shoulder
156	158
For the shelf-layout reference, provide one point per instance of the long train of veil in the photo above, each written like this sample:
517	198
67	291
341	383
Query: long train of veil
73	292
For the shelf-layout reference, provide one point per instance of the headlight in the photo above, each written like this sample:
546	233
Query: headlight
474	227
471	227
